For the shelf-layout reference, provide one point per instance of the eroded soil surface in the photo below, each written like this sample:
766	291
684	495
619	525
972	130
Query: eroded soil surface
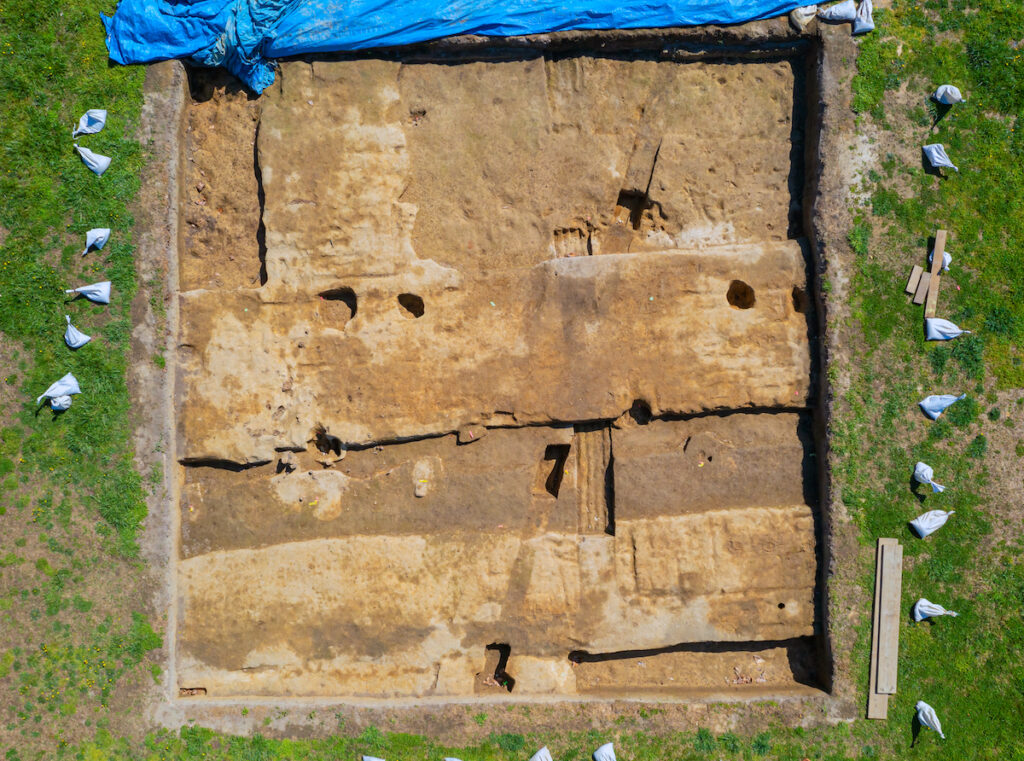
496	378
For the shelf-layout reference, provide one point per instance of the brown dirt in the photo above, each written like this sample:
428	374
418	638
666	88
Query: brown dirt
220	206
456	187
303	257
1003	461
154	311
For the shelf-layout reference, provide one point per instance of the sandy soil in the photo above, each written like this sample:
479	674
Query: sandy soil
621	219
595	204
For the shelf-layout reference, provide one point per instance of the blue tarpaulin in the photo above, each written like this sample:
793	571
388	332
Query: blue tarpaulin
244	36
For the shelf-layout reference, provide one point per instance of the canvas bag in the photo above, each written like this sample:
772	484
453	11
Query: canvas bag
937	157
923	475
937	329
844	11
930	522
94	161
96	239
92	121
59	393
605	753
98	293
541	755
947	259
863	23
800	18
924	609
73	337
926	715
948	95
936	404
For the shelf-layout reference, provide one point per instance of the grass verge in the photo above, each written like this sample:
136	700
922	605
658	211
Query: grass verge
71	501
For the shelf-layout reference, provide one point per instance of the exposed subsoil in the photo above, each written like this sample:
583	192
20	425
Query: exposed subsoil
427	519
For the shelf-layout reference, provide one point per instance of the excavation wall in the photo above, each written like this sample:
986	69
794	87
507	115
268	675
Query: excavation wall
496	377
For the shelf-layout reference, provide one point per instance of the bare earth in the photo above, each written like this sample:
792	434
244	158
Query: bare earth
496	377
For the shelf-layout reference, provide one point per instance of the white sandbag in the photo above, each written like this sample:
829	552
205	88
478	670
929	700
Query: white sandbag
605	753
59	393
937	329
800	18
948	94
541	755
930	522
947	259
923	474
92	121
924	609
60	403
371	758
96	238
864	22
937	157
936	404
97	292
73	337
844	11
94	161
450	758
926	715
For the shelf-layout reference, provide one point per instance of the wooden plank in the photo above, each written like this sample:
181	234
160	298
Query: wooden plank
885	626
915	278
931	300
932	294
878	705
889	620
938	251
922	288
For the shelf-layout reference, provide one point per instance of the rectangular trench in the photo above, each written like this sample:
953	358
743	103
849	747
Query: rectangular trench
537	421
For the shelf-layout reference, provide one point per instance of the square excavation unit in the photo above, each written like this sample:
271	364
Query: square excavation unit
494	382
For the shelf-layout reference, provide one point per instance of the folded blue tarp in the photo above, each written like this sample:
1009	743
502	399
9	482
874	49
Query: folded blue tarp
245	35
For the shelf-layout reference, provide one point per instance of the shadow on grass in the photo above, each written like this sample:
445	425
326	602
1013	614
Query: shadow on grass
940	111
929	169
915	489
915	730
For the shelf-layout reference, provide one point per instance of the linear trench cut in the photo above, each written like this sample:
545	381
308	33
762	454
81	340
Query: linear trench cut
547	433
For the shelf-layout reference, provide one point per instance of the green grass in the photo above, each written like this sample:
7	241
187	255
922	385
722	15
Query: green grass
791	745
53	68
71	502
981	205
860	236
970	670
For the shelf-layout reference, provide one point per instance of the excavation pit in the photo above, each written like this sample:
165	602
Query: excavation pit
561	409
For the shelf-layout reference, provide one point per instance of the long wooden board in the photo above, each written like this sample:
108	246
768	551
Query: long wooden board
878	704
889	619
885	627
932	297
938	251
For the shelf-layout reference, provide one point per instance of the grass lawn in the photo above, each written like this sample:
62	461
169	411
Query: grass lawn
70	500
73	635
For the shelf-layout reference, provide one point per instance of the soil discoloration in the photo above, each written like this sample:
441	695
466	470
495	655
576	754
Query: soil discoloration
569	340
220	192
415	169
451	195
